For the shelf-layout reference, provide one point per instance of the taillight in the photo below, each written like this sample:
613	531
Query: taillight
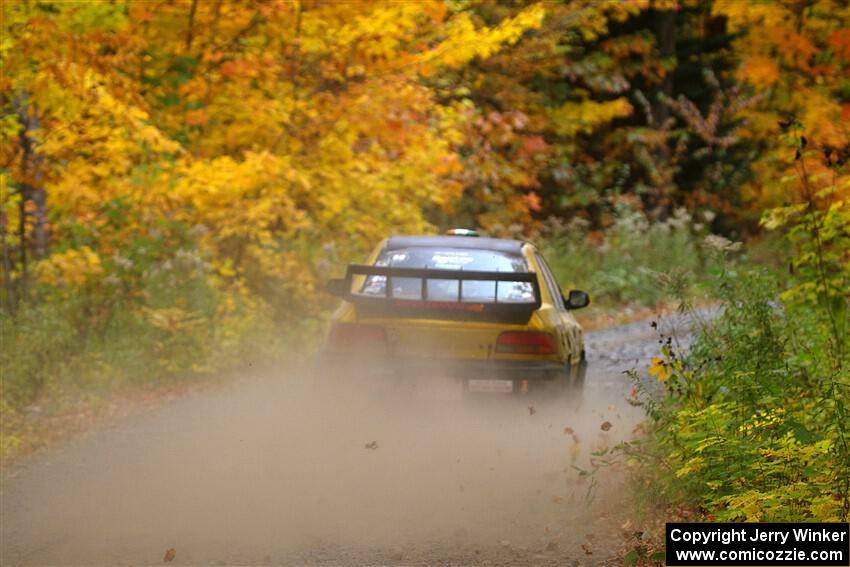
526	342
357	336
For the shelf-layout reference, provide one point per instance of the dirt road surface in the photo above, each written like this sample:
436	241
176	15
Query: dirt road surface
273	470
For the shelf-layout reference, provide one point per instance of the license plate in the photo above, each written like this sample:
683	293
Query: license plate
494	386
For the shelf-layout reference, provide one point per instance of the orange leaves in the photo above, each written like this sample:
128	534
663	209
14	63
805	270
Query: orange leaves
436	11
448	164
795	48
775	34
839	41
229	68
196	117
820	115
169	556
242	67
760	70
534	144
144	15
212	56
532	201
795	59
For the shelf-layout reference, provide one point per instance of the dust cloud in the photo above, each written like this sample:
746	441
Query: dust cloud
286	468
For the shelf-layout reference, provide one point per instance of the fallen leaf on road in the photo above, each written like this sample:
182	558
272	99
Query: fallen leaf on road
169	555
586	549
606	426
373	445
569	431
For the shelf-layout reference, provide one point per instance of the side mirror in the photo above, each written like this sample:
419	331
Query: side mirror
336	287
576	299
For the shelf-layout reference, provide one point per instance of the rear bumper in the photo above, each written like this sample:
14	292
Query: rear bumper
531	370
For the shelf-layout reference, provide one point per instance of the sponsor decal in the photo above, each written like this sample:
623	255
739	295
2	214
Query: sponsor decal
446	305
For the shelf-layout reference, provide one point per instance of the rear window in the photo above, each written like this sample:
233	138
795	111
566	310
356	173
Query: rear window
447	289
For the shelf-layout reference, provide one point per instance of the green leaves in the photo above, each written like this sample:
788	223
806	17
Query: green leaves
83	17
760	434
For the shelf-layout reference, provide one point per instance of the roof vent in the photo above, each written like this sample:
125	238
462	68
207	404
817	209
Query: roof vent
462	232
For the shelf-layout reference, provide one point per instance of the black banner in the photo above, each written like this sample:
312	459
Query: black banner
804	544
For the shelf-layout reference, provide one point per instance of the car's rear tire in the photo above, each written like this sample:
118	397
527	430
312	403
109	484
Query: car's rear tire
572	382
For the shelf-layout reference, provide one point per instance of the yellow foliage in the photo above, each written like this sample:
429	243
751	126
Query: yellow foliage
660	369
309	127
464	42
693	465
583	117
761	70
796	54
172	319
71	268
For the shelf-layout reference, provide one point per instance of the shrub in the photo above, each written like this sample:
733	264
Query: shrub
94	319
634	260
755	422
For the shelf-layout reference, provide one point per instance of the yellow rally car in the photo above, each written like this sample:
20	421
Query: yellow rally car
486	311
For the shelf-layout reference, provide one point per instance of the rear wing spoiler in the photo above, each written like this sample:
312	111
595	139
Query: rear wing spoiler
459	307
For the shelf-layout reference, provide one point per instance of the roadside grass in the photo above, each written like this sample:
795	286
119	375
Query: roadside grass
754	423
75	351
753	426
636	267
60	414
120	374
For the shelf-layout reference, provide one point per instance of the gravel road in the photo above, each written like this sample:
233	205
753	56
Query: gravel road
272	470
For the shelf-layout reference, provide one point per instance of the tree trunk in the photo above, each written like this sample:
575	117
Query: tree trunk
33	205
665	37
190	28
10	300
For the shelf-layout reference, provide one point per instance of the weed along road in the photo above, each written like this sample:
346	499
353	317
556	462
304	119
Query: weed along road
273	469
